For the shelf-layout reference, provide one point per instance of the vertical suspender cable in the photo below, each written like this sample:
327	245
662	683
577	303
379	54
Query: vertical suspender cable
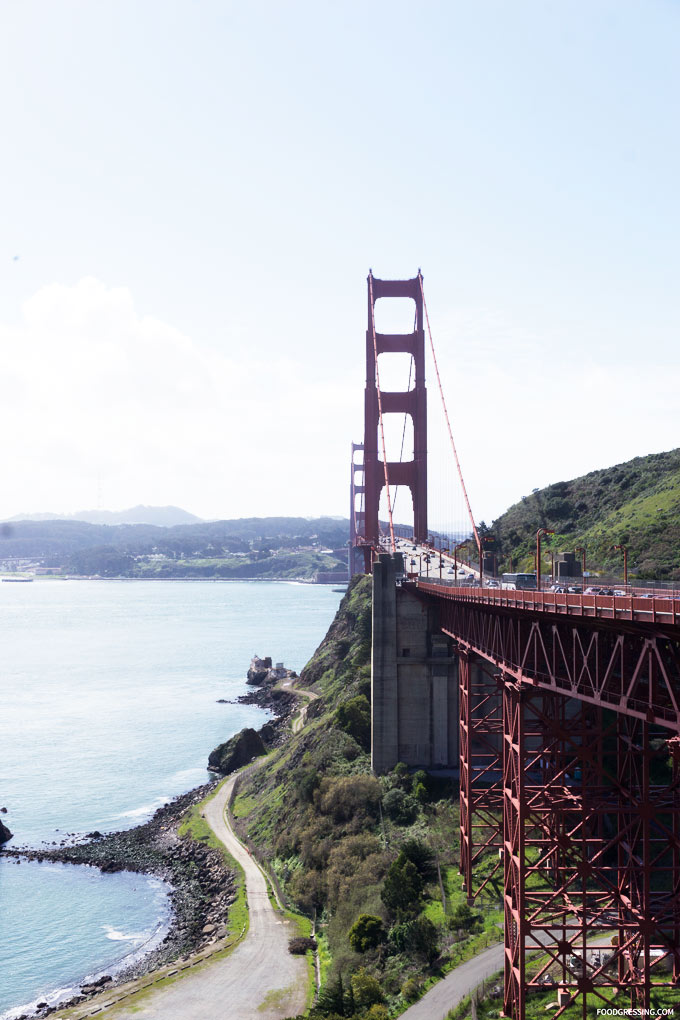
403	431
380	416
448	425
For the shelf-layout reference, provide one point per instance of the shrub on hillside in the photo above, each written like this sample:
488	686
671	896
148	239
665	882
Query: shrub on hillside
305	782
350	797
400	776
366	989
465	917
411	989
354	860
378	1011
417	936
366	933
308	889
401	807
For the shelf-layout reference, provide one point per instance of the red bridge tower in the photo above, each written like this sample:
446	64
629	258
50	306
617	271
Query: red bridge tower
413	473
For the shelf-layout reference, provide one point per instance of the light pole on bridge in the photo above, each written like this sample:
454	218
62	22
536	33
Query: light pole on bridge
455	559
624	550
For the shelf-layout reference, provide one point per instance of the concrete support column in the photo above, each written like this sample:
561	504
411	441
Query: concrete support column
414	703
384	687
440	702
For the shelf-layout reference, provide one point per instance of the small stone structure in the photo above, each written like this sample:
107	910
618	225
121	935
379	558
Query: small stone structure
567	566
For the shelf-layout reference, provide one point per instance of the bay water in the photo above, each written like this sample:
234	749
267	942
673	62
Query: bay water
109	707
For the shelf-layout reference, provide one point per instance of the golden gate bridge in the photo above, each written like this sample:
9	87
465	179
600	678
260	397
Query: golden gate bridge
568	707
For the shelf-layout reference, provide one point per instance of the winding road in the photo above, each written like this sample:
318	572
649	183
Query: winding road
260	980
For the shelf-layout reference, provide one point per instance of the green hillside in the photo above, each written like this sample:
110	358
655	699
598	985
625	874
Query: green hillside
636	504
373	859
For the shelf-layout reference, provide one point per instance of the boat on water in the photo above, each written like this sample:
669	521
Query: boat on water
18	580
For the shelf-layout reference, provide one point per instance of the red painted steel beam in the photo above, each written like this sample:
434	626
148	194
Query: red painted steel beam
480	771
590	794
590	845
629	667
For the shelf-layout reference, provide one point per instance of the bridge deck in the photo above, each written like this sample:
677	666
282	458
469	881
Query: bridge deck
657	610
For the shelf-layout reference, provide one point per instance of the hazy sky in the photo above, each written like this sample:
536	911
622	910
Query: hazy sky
195	192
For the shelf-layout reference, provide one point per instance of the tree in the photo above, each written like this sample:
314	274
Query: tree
402	888
421	786
366	989
422	856
354	717
367	932
420	793
331	999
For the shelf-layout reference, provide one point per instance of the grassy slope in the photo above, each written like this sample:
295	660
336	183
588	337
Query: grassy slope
636	504
314	811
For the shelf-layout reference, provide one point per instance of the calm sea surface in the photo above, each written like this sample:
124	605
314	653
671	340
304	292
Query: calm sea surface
108	708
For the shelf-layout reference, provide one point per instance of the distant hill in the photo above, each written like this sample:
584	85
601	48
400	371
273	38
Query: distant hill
160	516
636	504
247	547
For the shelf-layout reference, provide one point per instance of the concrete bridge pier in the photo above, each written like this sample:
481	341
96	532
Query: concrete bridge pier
414	678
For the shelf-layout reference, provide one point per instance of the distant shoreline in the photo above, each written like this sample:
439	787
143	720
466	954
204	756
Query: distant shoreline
227	580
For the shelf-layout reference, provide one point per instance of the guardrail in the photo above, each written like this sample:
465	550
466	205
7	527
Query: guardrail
658	609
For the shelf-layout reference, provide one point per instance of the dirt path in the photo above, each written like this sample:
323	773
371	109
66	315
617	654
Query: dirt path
311	696
260	980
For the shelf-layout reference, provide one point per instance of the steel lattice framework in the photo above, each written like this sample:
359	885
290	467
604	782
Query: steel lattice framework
570	767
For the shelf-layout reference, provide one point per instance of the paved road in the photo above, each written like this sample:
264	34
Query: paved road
259	981
442	997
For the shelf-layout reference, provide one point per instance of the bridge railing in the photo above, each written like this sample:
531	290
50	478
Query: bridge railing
658	609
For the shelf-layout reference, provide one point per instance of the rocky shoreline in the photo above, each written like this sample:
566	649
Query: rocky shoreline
202	886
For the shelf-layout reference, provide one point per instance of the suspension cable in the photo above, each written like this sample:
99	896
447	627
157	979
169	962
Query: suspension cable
380	415
448	425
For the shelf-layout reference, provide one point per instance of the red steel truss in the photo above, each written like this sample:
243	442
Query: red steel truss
588	806
480	768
